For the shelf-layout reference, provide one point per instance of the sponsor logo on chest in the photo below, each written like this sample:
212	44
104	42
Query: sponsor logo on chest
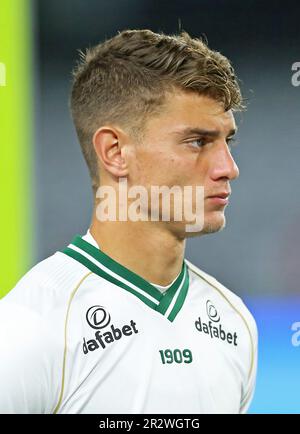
213	327
99	319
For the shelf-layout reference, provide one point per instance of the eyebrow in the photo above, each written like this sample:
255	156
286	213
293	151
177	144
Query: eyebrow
202	132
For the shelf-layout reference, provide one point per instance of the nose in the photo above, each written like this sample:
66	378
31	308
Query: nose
223	165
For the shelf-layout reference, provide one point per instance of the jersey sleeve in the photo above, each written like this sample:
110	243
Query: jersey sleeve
26	369
249	388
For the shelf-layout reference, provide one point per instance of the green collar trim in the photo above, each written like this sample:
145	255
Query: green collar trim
168	304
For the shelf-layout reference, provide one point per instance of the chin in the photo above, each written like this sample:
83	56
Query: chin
212	224
211	228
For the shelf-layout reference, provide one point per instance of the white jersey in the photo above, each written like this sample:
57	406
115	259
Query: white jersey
80	333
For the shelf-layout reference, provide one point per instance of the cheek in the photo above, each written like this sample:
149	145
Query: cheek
158	167
176	170
154	167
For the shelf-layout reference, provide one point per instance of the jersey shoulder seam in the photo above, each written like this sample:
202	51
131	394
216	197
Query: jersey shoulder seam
71	297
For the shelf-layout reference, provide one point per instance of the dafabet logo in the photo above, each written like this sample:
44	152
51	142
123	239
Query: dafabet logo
98	318
213	327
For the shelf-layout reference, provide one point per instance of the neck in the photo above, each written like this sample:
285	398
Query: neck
146	248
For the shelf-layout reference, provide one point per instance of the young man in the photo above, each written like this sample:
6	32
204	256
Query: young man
118	321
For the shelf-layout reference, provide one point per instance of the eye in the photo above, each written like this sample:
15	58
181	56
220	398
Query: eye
231	141
198	143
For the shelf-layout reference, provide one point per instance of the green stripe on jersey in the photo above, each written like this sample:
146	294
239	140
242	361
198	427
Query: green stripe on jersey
91	266
95	260
117	268
181	298
170	294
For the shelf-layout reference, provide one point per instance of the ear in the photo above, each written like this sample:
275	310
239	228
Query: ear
107	144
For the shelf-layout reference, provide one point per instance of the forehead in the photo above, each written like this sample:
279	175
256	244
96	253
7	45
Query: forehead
188	109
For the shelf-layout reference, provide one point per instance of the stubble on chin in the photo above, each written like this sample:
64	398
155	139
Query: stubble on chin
213	225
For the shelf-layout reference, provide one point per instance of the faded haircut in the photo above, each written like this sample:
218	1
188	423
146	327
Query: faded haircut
124	81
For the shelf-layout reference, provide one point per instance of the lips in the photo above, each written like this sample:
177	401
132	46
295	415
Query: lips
222	195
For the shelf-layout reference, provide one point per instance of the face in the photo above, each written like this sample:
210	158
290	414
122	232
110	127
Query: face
189	145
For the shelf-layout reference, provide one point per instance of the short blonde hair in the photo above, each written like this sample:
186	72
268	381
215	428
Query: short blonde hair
124	80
